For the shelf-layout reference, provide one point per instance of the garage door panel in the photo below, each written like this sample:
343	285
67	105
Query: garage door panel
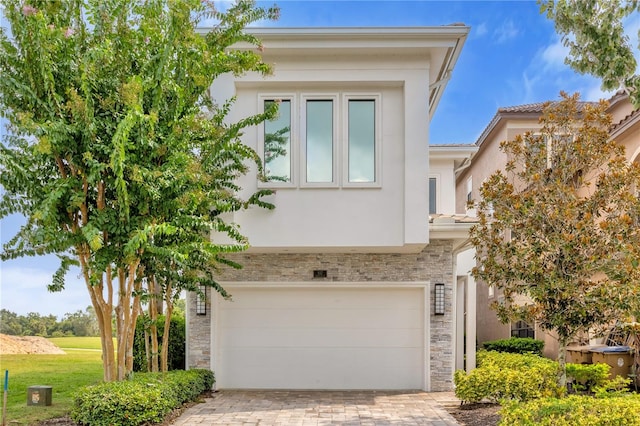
310	298
378	319
330	337
321	338
309	368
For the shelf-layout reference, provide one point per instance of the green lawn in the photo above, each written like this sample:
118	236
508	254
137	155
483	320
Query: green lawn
77	342
65	373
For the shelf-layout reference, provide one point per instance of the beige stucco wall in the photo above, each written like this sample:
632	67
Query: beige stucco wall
489	159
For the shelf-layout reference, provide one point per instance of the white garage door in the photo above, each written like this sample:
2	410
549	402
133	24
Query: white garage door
320	338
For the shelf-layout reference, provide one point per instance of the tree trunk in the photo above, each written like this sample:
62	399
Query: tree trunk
153	329
167	328
103	310
147	355
127	314
136	288
562	362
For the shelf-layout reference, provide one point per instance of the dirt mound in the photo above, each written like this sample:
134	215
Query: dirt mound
10	345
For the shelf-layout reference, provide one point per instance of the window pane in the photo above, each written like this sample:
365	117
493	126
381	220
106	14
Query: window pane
320	141
277	143
362	138
432	195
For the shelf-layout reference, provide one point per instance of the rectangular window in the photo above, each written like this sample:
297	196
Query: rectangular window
362	140
277	143
522	329
432	195
469	190
319	141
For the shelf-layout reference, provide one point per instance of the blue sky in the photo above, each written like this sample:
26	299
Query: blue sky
512	56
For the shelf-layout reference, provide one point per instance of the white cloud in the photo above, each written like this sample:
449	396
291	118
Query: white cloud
529	85
631	28
24	290
593	92
506	32
553	56
481	29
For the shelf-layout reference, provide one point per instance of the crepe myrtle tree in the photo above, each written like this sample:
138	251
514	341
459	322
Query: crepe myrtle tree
594	31
115	153
558	229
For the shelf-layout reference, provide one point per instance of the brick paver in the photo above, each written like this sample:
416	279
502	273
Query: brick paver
302	408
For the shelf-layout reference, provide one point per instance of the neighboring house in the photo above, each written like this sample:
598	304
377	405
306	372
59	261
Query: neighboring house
338	289
506	125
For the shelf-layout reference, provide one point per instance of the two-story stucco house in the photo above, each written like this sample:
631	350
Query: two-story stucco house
344	286
507	123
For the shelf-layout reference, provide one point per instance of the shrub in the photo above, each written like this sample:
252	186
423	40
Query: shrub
574	411
587	376
508	376
147	398
177	337
516	345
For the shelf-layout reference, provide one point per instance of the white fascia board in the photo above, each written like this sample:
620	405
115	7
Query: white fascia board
429	34
449	230
355	37
455	152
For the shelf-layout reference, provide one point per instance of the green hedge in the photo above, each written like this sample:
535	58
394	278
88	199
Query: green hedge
585	377
516	345
574	411
147	398
508	376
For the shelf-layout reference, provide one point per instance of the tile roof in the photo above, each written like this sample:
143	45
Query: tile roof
533	108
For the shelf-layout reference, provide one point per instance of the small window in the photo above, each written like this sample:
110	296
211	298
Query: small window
362	140
469	190
319	141
277	143
433	183
522	329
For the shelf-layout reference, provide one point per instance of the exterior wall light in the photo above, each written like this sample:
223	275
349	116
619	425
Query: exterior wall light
438	300
201	300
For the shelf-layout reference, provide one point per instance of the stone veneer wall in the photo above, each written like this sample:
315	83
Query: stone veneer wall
433	264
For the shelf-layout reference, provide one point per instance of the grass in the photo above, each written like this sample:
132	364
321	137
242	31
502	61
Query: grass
77	342
65	373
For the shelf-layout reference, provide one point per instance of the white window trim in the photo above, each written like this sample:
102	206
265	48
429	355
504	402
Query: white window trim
303	140
293	132
346	97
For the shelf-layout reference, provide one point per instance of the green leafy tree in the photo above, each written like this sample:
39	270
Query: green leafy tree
558	230
79	323
595	34
115	154
11	323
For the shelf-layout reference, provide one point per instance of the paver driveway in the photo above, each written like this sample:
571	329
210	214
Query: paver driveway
320	408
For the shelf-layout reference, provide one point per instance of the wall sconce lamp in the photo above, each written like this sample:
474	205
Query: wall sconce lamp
438	300
201	300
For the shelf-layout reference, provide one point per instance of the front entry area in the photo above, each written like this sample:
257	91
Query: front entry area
329	337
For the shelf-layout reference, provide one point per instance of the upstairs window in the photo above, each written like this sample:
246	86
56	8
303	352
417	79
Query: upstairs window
362	140
319	140
277	143
322	140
